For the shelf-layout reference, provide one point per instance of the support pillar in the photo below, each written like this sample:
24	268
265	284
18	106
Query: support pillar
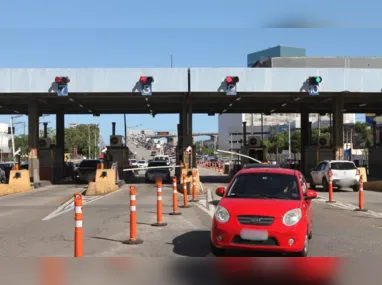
338	127
305	141
59	163
33	139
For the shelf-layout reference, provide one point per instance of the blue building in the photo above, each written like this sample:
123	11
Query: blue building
277	51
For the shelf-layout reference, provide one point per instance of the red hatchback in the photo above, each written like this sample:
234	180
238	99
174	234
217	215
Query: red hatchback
264	209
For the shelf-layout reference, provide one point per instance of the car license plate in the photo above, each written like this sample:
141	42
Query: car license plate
254	235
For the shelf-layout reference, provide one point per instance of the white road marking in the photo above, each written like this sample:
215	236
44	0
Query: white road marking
347	206
69	205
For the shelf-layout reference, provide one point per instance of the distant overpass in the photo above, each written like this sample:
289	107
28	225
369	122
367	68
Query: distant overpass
174	136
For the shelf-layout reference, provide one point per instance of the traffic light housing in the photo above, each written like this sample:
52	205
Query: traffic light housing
62	85
315	80
231	82
146	85
9	130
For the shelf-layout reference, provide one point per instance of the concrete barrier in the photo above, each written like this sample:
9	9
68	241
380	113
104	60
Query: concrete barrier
104	183
188	173
19	181
373	186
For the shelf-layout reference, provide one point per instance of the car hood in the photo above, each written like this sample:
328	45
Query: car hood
261	207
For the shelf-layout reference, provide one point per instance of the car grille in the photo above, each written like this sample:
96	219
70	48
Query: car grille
269	242
256	220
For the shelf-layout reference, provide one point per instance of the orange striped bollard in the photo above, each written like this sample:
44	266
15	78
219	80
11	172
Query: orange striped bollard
174	198
330	188
78	233
185	194
194	199
361	202
133	218
159	222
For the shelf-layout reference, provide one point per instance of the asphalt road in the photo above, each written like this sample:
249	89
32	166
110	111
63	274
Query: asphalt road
338	230
27	228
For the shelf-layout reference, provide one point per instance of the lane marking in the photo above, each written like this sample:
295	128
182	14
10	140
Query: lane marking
69	205
347	206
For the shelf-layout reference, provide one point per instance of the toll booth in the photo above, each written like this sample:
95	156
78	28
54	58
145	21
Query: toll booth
117	152
258	153
315	154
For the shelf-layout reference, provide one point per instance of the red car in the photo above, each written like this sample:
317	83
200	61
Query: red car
264	209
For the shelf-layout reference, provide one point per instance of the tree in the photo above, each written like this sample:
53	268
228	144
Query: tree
364	130
74	137
21	142
78	137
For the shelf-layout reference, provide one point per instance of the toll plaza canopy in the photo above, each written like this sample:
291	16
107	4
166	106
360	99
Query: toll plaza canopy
259	90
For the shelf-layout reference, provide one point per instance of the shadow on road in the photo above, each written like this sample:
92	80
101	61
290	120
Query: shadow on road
214	179
214	202
192	244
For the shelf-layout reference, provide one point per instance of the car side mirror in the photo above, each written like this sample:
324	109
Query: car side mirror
310	194
220	191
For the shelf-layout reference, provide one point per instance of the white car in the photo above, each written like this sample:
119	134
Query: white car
344	174
142	163
134	162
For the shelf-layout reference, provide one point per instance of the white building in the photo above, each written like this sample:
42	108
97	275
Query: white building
140	132
231	126
4	138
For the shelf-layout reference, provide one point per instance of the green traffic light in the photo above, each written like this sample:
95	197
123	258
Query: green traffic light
318	79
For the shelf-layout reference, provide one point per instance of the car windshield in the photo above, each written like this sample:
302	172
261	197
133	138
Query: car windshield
142	162
342	166
89	163
264	185
133	160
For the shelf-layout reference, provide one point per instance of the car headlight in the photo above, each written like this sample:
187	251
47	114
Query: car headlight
292	217
221	214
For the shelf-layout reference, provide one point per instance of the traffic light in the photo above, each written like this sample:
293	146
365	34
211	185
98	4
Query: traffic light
314	82
10	132
146	85
231	85
62	85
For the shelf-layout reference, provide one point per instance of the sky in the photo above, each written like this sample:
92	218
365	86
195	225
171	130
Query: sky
196	33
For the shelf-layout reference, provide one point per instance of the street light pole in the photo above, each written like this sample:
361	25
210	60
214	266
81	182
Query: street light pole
231	146
289	144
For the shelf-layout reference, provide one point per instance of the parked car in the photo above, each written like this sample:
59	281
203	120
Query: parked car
134	162
142	163
162	173
264	209
86	171
344	174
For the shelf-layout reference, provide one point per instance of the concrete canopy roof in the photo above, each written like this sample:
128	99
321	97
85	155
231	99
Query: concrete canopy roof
260	90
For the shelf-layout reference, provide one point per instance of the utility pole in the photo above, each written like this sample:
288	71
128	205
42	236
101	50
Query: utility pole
13	139
124	118
89	140
95	142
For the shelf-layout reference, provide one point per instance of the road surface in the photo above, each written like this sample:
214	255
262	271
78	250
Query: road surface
41	223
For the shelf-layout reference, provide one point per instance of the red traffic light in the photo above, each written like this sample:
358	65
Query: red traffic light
232	79
58	79
146	79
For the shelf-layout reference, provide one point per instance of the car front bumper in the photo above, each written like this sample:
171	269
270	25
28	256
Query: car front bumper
228	237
